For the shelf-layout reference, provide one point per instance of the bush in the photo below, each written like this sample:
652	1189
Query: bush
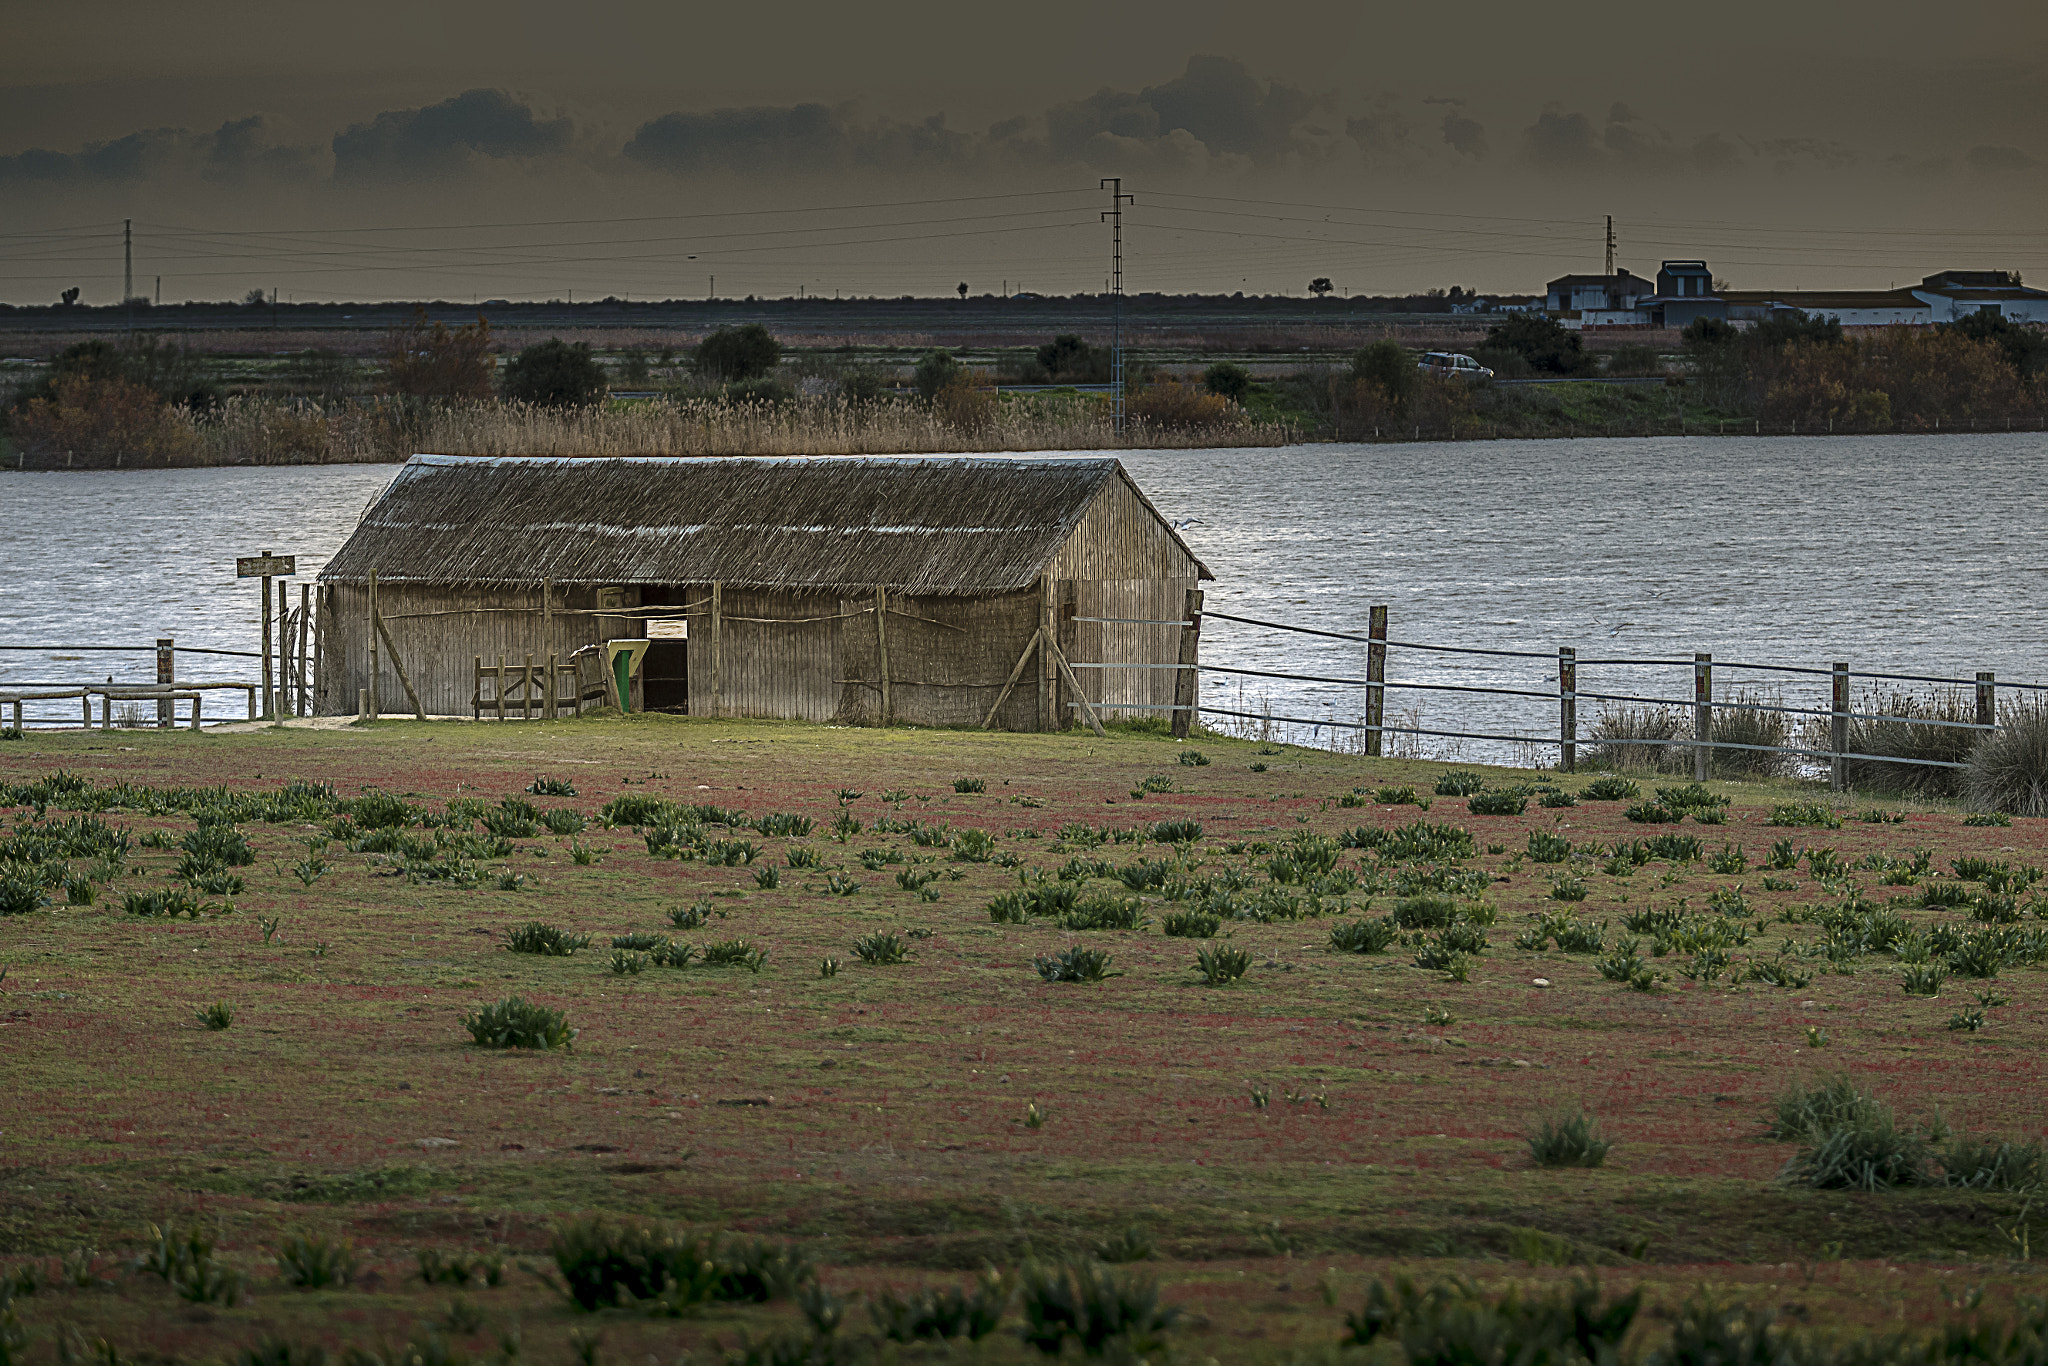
1568	1138
1069	357
1803	1111
881	949
1611	788
1797	815
1739	720
1455	1322
1091	1305
517	1023
1868	1153
551	941
1075	964
1497	804
1190	924
737	353
312	1263
1388	370
95	422
555	374
934	371
942	1314
1911	738
1990	1164
1373	935
1626	738
1459	783
2008	770
1228	381
1221	964
1175	831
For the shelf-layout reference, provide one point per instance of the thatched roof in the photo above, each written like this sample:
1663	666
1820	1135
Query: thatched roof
911	524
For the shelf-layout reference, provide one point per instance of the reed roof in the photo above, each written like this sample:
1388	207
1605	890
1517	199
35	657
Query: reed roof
922	525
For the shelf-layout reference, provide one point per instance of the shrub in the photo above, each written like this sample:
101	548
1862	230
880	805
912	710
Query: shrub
1227	380
729	953
767	877
1091	1305
1869	1153
784	825
942	1314
1221	964
1906	733
691	916
2008	770
1744	719
1173	406
1557	799
1396	796
1628	738
1810	814
1192	758
603	1264
217	845
1611	788
969	785
518	1023
730	354
311	1263
1568	1138
562	821
100	419
1990	1164
551	941
1545	847
217	1016
1100	911
1455	1322
881	949
1374	935
555	374
1803	1110
1175	831
1424	912
551	787
1459	783
1190	924
21	896
973	846
1076	964
1653	813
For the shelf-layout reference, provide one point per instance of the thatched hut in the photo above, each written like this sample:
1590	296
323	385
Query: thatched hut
824	589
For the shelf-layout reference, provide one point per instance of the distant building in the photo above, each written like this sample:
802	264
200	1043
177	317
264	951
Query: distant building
1956	294
1685	291
1596	300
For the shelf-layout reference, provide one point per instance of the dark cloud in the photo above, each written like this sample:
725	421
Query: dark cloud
1999	160
446	137
796	138
1715	155
1561	139
238	151
1215	102
1465	136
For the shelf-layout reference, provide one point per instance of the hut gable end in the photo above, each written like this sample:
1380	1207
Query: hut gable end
914	525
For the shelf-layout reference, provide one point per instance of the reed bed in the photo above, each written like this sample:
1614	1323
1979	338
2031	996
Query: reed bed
262	432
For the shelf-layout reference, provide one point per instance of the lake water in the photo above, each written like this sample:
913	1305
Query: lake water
1908	554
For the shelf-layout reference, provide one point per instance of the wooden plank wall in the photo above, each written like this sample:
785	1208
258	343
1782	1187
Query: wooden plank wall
440	651
768	669
1122	561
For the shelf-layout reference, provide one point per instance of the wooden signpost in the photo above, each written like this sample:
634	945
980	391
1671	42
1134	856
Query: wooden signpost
266	566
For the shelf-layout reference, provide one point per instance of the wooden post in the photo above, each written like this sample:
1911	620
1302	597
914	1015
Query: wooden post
1016	672
1838	730
1187	679
548	709
267	683
476	691
501	690
305	630
553	709
370	630
1048	672
1567	709
1376	683
251	691
318	637
166	674
1702	715
526	691
196	699
419	713
1987	698
362	704
717	652
106	710
1080	695
284	648
882	649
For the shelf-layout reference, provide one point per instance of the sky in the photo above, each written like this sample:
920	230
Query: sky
523	150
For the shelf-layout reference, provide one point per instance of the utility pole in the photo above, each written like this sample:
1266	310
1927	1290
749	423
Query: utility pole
1115	217
127	260
1610	244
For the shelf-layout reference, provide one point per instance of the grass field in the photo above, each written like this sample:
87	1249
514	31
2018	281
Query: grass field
1280	1141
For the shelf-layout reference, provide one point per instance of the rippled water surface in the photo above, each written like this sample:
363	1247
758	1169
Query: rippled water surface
1924	555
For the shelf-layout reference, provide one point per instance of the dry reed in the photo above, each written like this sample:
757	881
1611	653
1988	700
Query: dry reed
258	432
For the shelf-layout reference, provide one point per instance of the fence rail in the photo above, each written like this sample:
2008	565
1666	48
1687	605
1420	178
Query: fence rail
1702	741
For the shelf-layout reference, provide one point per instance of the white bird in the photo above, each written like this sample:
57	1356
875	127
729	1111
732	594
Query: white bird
1613	630
1184	523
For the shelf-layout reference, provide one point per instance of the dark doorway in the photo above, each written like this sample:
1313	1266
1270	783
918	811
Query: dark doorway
665	673
665	677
